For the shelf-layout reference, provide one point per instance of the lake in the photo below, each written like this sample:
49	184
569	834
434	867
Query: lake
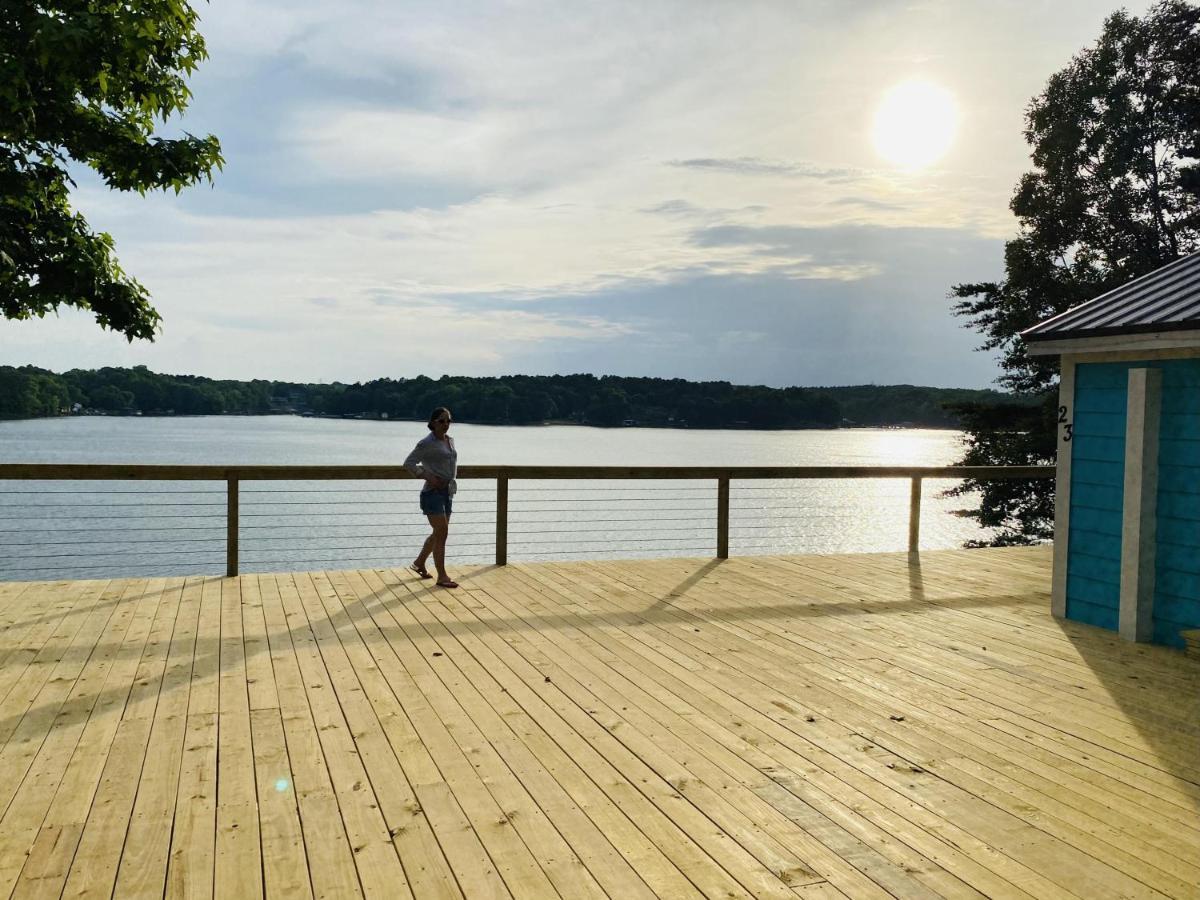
108	529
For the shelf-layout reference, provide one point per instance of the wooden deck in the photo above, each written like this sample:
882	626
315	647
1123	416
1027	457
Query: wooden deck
832	726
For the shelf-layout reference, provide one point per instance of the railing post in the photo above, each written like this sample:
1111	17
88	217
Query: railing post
723	517
914	516
231	528
502	520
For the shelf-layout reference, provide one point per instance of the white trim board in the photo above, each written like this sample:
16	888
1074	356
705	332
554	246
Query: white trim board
1140	505
1062	489
1142	344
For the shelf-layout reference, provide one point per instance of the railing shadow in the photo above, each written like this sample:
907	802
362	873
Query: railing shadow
661	610
691	581
206	653
1128	673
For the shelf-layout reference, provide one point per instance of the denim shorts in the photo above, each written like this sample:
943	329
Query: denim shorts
436	502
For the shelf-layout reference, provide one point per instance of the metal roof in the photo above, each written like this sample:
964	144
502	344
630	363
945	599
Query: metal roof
1167	299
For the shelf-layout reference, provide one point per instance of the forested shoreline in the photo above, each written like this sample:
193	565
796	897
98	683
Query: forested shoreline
30	392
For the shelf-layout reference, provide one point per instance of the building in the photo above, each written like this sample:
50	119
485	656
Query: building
1127	517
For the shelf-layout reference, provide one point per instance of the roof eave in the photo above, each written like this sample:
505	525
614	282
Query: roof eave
1125	341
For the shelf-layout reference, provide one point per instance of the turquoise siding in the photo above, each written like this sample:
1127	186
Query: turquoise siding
1177	563
1097	480
1097	489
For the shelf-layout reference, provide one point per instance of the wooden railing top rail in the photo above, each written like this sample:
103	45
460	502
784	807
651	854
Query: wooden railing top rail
120	472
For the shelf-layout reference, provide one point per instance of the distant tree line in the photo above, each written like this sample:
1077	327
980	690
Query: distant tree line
29	392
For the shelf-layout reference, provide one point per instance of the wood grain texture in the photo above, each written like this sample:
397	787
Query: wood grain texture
876	725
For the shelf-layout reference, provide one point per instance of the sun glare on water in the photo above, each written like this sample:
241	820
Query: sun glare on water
915	124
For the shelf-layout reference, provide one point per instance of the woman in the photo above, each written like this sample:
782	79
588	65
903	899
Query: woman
435	460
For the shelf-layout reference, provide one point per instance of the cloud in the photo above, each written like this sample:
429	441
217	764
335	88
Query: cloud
775	329
373	143
835	254
869	203
836	243
749	165
611	185
677	207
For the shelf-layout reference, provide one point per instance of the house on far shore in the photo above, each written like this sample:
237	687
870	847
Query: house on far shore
1127	514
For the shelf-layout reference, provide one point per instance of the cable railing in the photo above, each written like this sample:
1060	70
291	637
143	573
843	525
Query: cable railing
87	521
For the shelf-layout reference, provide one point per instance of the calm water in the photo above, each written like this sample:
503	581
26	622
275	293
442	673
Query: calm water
96	529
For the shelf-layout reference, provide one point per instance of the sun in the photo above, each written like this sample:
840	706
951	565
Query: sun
915	124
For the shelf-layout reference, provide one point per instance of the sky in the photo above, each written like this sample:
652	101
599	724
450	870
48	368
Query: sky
692	189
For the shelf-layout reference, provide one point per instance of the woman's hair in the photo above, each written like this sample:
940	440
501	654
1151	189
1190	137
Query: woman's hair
437	414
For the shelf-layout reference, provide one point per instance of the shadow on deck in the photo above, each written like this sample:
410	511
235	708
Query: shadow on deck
867	726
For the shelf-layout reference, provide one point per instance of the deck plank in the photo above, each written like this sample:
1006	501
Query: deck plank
470	676
732	648
775	752
432	714
379	869
93	870
331	868
143	867
530	738
238	863
1174	810
25	631
190	861
819	727
725	756
1184	873
60	781
770	837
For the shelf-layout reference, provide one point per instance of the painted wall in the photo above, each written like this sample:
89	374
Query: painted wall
1177	563
1097	487
1097	480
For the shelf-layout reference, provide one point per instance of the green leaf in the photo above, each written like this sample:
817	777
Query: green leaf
86	82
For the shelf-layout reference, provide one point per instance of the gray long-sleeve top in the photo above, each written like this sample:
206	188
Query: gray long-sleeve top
434	457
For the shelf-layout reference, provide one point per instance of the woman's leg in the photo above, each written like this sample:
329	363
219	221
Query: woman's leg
427	548
441	527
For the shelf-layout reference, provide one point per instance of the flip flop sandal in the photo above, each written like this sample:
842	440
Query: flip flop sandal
447	584
422	572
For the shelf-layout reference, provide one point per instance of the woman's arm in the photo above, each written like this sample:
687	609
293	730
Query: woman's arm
416	465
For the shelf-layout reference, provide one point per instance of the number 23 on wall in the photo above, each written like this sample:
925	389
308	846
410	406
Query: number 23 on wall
1068	427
